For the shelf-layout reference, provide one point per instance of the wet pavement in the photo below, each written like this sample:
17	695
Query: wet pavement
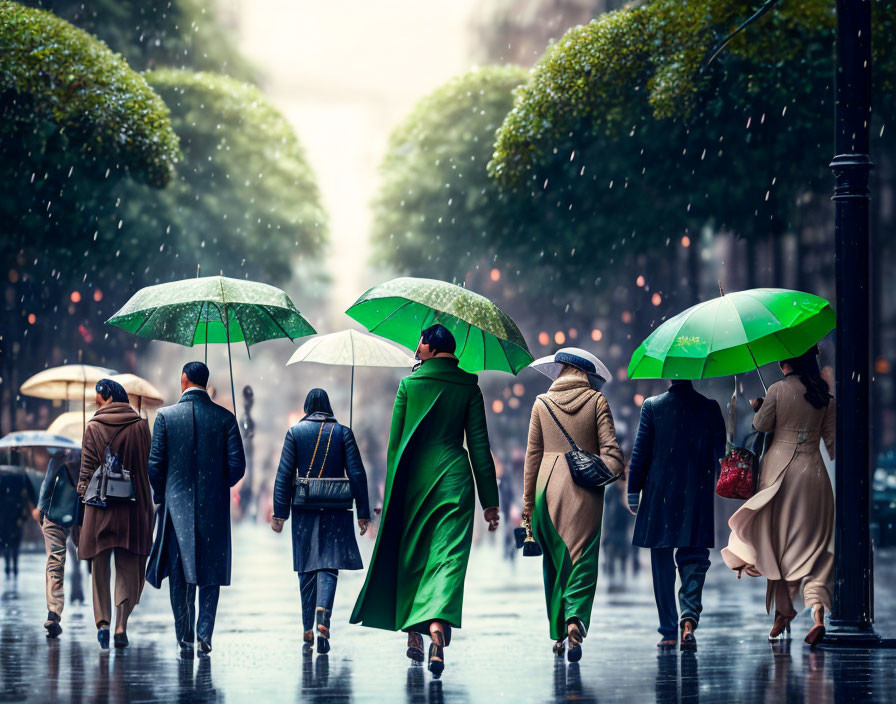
502	653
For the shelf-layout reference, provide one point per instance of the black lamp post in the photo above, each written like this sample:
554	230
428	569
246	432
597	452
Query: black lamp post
853	607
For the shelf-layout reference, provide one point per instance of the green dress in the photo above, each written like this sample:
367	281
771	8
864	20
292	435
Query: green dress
417	571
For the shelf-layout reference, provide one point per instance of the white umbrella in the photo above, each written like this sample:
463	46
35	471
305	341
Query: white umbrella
350	348
69	424
147	394
551	365
66	383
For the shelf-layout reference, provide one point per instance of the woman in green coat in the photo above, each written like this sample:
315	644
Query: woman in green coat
415	582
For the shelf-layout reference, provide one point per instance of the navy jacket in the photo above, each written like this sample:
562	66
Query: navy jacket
195	459
675	461
321	539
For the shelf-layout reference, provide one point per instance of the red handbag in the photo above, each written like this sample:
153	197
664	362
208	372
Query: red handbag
739	478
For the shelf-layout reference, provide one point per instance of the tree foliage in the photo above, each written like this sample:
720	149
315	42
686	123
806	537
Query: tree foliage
244	200
152	34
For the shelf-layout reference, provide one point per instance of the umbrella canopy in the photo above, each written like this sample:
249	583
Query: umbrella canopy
552	364
37	438
70	424
65	383
212	309
732	334
351	348
194	311
487	338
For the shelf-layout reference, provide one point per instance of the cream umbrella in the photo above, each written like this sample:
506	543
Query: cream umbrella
136	386
66	383
350	348
68	424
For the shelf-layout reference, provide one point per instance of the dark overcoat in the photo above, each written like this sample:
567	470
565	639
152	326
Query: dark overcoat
675	461
321	539
195	459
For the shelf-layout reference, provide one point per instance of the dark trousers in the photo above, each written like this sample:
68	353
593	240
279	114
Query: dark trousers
318	590
692	566
183	602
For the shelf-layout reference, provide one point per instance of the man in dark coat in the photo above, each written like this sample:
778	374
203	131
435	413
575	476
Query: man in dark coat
680	440
195	459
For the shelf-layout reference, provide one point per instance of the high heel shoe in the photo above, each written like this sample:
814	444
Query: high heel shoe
102	635
577	634
437	653
415	646
781	626
559	648
816	634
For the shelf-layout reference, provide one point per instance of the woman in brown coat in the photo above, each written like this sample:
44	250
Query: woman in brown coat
122	529
785	532
566	518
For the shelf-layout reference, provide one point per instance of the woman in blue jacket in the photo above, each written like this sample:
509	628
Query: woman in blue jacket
323	540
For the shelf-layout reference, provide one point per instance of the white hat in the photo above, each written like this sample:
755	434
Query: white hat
552	365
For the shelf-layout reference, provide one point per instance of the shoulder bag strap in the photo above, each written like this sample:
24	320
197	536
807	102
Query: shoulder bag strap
117	433
560	425
326	451
313	455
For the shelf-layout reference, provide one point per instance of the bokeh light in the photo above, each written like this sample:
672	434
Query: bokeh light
559	337
597	334
495	274
497	406
638	399
543	339
685	241
656	299
640	281
76	296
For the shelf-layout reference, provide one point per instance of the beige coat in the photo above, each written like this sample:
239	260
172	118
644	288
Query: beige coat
785	532
575	512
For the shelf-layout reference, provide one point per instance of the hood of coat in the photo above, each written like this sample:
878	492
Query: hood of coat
115	414
570	392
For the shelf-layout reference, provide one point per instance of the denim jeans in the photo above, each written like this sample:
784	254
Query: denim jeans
693	564
318	589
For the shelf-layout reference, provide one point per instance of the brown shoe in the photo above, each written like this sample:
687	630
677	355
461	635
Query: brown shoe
816	634
781	625
415	646
688	640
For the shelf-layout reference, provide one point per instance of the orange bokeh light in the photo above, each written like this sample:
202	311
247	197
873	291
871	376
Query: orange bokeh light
882	365
495	274
497	406
656	299
98	296
518	389
559	337
640	281
597	334
685	241
626	317
76	296
32	318
639	399
543	339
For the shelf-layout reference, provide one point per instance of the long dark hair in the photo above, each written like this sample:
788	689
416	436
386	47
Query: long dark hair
317	401
806	367
107	387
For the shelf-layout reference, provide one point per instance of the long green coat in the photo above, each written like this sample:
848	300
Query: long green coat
420	559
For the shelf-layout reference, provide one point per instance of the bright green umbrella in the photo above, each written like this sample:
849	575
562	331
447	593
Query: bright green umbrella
194	311
732	334
486	337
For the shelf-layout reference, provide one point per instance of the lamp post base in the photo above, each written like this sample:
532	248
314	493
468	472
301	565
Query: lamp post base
851	635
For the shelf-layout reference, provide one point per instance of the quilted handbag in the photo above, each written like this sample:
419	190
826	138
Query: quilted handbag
587	469
739	478
321	493
111	480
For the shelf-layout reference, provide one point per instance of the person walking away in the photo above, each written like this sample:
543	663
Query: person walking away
17	499
122	529
785	532
671	485
58	514
323	539
415	582
195	459
566	518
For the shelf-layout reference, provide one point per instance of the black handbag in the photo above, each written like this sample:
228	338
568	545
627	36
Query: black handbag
63	504
321	493
111	480
587	469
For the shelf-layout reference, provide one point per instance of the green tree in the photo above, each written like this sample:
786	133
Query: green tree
152	34
244	199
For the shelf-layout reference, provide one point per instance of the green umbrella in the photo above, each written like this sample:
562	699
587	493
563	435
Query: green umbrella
486	337
732	334
194	311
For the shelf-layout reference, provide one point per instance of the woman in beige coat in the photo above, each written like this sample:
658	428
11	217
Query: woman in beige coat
564	517
785	532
